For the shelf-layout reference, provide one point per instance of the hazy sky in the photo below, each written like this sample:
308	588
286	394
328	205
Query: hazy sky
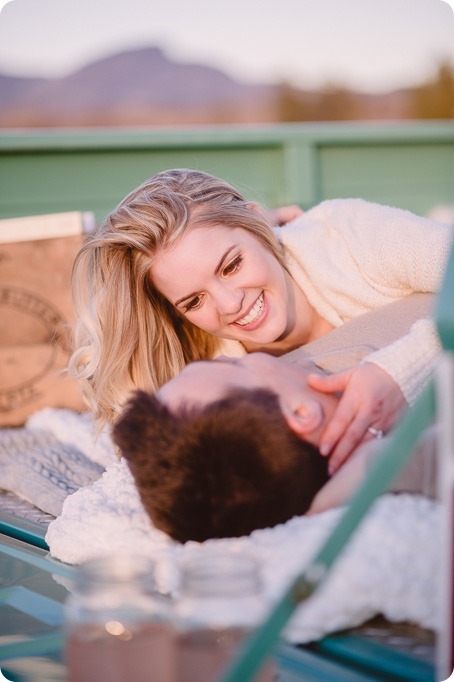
373	45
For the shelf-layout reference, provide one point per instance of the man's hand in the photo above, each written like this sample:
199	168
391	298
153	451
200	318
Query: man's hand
283	214
370	398
345	482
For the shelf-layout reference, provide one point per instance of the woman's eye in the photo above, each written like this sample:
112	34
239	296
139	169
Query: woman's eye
193	304
232	266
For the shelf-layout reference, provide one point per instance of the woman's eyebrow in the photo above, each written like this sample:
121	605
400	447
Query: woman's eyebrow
223	259
185	298
216	272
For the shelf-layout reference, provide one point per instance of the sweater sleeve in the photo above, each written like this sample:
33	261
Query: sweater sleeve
394	251
410	360
350	256
417	260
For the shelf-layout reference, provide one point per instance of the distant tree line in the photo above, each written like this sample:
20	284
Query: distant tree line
435	99
432	99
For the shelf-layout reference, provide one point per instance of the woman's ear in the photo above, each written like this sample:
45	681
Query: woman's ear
304	419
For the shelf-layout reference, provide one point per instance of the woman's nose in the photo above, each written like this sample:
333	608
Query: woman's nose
229	300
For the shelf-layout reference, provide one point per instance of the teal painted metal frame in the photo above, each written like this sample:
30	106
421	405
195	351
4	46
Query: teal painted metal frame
394	456
22	529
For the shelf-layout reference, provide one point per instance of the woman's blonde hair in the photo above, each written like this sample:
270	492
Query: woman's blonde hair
127	335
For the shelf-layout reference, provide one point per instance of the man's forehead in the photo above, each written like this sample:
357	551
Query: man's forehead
214	363
225	360
200	381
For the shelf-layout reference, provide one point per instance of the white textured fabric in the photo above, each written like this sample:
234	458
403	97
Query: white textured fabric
391	567
52	456
75	429
36	466
350	256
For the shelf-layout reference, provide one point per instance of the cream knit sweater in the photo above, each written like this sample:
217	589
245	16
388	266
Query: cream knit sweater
350	256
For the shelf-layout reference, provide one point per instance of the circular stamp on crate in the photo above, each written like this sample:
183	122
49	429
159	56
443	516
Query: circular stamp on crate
34	341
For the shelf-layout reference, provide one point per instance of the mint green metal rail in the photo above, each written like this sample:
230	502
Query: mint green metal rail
405	164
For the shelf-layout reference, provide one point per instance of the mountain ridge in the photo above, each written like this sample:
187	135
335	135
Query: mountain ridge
145	86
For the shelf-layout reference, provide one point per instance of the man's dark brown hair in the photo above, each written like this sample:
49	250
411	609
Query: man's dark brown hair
223	470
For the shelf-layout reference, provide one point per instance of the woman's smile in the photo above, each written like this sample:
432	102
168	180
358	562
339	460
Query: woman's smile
256	315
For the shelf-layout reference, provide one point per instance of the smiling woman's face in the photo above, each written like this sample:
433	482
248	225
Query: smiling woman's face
227	283
201	383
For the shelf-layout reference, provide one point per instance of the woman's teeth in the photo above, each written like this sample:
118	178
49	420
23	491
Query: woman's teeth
253	313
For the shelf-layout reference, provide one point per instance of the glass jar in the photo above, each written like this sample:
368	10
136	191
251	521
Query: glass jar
220	603
117	625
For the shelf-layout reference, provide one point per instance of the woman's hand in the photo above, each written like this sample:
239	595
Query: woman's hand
370	398
283	214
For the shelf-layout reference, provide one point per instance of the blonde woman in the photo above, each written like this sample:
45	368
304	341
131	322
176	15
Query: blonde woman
185	268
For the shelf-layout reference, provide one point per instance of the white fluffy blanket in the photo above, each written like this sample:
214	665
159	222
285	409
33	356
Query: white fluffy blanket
391	566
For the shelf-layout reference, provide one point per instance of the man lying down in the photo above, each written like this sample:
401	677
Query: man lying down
214	453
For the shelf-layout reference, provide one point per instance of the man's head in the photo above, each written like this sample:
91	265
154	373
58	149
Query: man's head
201	383
220	469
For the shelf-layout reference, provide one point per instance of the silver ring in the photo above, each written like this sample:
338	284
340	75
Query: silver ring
377	433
